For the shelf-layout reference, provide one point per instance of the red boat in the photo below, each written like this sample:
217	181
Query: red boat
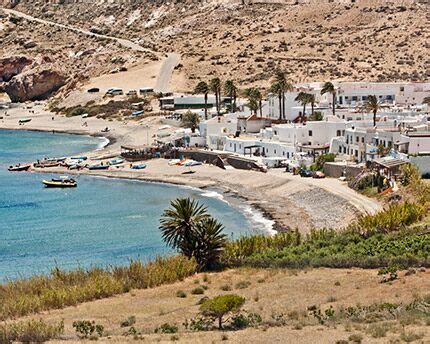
19	168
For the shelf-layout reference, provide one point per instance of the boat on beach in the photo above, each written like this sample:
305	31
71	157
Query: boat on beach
138	167
62	182
79	158
116	161
98	167
19	168
24	120
47	163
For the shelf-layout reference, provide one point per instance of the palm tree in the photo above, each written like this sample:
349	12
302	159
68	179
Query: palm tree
203	88
304	99
210	242
255	100
328	87
280	85
187	227
230	89
276	88
215	87
312	99
372	105
190	120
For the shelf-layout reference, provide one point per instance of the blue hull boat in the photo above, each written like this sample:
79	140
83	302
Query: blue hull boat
138	167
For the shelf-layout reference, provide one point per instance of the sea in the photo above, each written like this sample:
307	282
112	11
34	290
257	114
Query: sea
102	222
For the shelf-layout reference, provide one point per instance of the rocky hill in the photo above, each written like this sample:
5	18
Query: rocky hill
367	40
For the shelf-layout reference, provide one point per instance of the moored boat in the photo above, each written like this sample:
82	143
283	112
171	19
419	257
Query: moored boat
79	157
24	120
47	163
19	168
62	182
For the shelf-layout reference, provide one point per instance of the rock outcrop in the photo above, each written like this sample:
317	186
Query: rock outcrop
11	66
34	85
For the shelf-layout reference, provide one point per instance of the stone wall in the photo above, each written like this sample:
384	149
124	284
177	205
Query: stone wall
335	170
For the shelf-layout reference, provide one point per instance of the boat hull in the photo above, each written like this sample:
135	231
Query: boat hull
19	168
52	184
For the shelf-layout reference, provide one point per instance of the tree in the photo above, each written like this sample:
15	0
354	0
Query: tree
255	100
427	101
210	242
279	86
187	227
222	305
203	88
215	87
311	99
328	87
372	105
190	120
317	116
303	98
230	89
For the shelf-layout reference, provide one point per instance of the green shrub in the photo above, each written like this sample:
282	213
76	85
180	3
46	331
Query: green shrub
198	291
181	294
199	324
32	331
245	320
87	329
411	336
225	287
222	305
131	320
166	328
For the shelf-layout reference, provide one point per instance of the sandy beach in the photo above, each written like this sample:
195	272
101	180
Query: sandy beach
291	201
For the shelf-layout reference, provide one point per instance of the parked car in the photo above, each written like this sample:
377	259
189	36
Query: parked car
94	90
318	174
132	93
305	173
115	92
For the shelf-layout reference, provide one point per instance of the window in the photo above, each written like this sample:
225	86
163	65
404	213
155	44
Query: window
354	98
310	133
338	133
402	89
362	139
274	151
357	139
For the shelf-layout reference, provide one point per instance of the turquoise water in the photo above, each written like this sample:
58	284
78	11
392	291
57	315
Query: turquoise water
99	223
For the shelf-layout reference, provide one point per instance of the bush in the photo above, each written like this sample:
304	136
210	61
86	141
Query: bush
87	329
131	320
199	324
321	160
32	331
166	328
356	338
181	294
198	291
225	287
245	320
242	285
222	305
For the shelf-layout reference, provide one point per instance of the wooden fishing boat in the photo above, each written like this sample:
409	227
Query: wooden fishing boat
62	182
24	120
19	168
116	161
47	163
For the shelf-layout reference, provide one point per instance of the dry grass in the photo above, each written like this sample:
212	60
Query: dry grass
283	301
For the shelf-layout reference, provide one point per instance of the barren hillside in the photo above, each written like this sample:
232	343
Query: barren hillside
365	41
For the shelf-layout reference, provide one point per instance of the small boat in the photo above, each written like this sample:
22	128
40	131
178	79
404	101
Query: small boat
19	168
98	167
192	163
116	161
138	167
79	158
24	120
47	163
62	182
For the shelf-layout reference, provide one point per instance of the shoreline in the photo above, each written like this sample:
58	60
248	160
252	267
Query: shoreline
289	201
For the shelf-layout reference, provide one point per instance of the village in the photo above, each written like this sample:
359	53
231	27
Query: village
384	124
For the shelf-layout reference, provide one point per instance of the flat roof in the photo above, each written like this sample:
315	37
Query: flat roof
389	163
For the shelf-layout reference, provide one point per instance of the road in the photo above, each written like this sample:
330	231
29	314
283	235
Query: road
165	74
166	70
